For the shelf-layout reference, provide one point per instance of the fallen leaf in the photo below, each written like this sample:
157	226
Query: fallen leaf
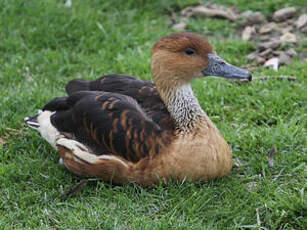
272	62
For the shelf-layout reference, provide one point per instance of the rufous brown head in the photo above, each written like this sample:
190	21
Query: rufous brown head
179	58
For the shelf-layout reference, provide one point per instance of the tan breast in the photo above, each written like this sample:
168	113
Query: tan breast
202	157
197	156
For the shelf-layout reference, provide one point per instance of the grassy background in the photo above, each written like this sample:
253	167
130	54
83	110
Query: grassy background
44	44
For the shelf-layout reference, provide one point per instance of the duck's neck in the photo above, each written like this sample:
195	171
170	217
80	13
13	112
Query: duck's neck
183	107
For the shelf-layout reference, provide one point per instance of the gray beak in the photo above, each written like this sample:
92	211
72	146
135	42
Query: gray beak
220	68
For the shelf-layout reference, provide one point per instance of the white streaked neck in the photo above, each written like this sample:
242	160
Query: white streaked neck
183	106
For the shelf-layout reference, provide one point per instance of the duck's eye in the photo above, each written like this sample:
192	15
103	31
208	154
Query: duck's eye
190	51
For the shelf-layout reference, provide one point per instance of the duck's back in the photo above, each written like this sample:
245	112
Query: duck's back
143	91
116	114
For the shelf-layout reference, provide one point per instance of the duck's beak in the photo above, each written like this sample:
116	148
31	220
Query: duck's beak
220	68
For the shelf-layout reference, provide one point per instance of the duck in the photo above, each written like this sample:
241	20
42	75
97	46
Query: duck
122	129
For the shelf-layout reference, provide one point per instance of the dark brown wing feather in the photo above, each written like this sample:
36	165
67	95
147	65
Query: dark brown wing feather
144	92
109	123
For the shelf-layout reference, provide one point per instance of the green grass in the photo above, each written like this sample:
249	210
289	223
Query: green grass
44	44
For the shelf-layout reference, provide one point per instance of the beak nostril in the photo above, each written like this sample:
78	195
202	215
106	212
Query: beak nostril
220	68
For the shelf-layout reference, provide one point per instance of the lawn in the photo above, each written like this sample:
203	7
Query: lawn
44	44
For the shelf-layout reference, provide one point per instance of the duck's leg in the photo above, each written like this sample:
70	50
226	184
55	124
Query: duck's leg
79	160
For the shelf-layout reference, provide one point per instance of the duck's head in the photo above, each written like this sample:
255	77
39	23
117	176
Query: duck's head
179	58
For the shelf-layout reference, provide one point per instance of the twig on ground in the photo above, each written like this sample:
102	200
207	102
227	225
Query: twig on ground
13	130
289	78
237	162
52	220
258	217
74	190
272	152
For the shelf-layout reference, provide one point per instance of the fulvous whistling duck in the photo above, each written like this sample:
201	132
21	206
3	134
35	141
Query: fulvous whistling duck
123	129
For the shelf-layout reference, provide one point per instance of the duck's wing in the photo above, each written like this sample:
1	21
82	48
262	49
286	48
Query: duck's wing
144	92
109	123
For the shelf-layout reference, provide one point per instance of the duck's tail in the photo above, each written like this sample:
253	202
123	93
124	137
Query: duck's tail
42	123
